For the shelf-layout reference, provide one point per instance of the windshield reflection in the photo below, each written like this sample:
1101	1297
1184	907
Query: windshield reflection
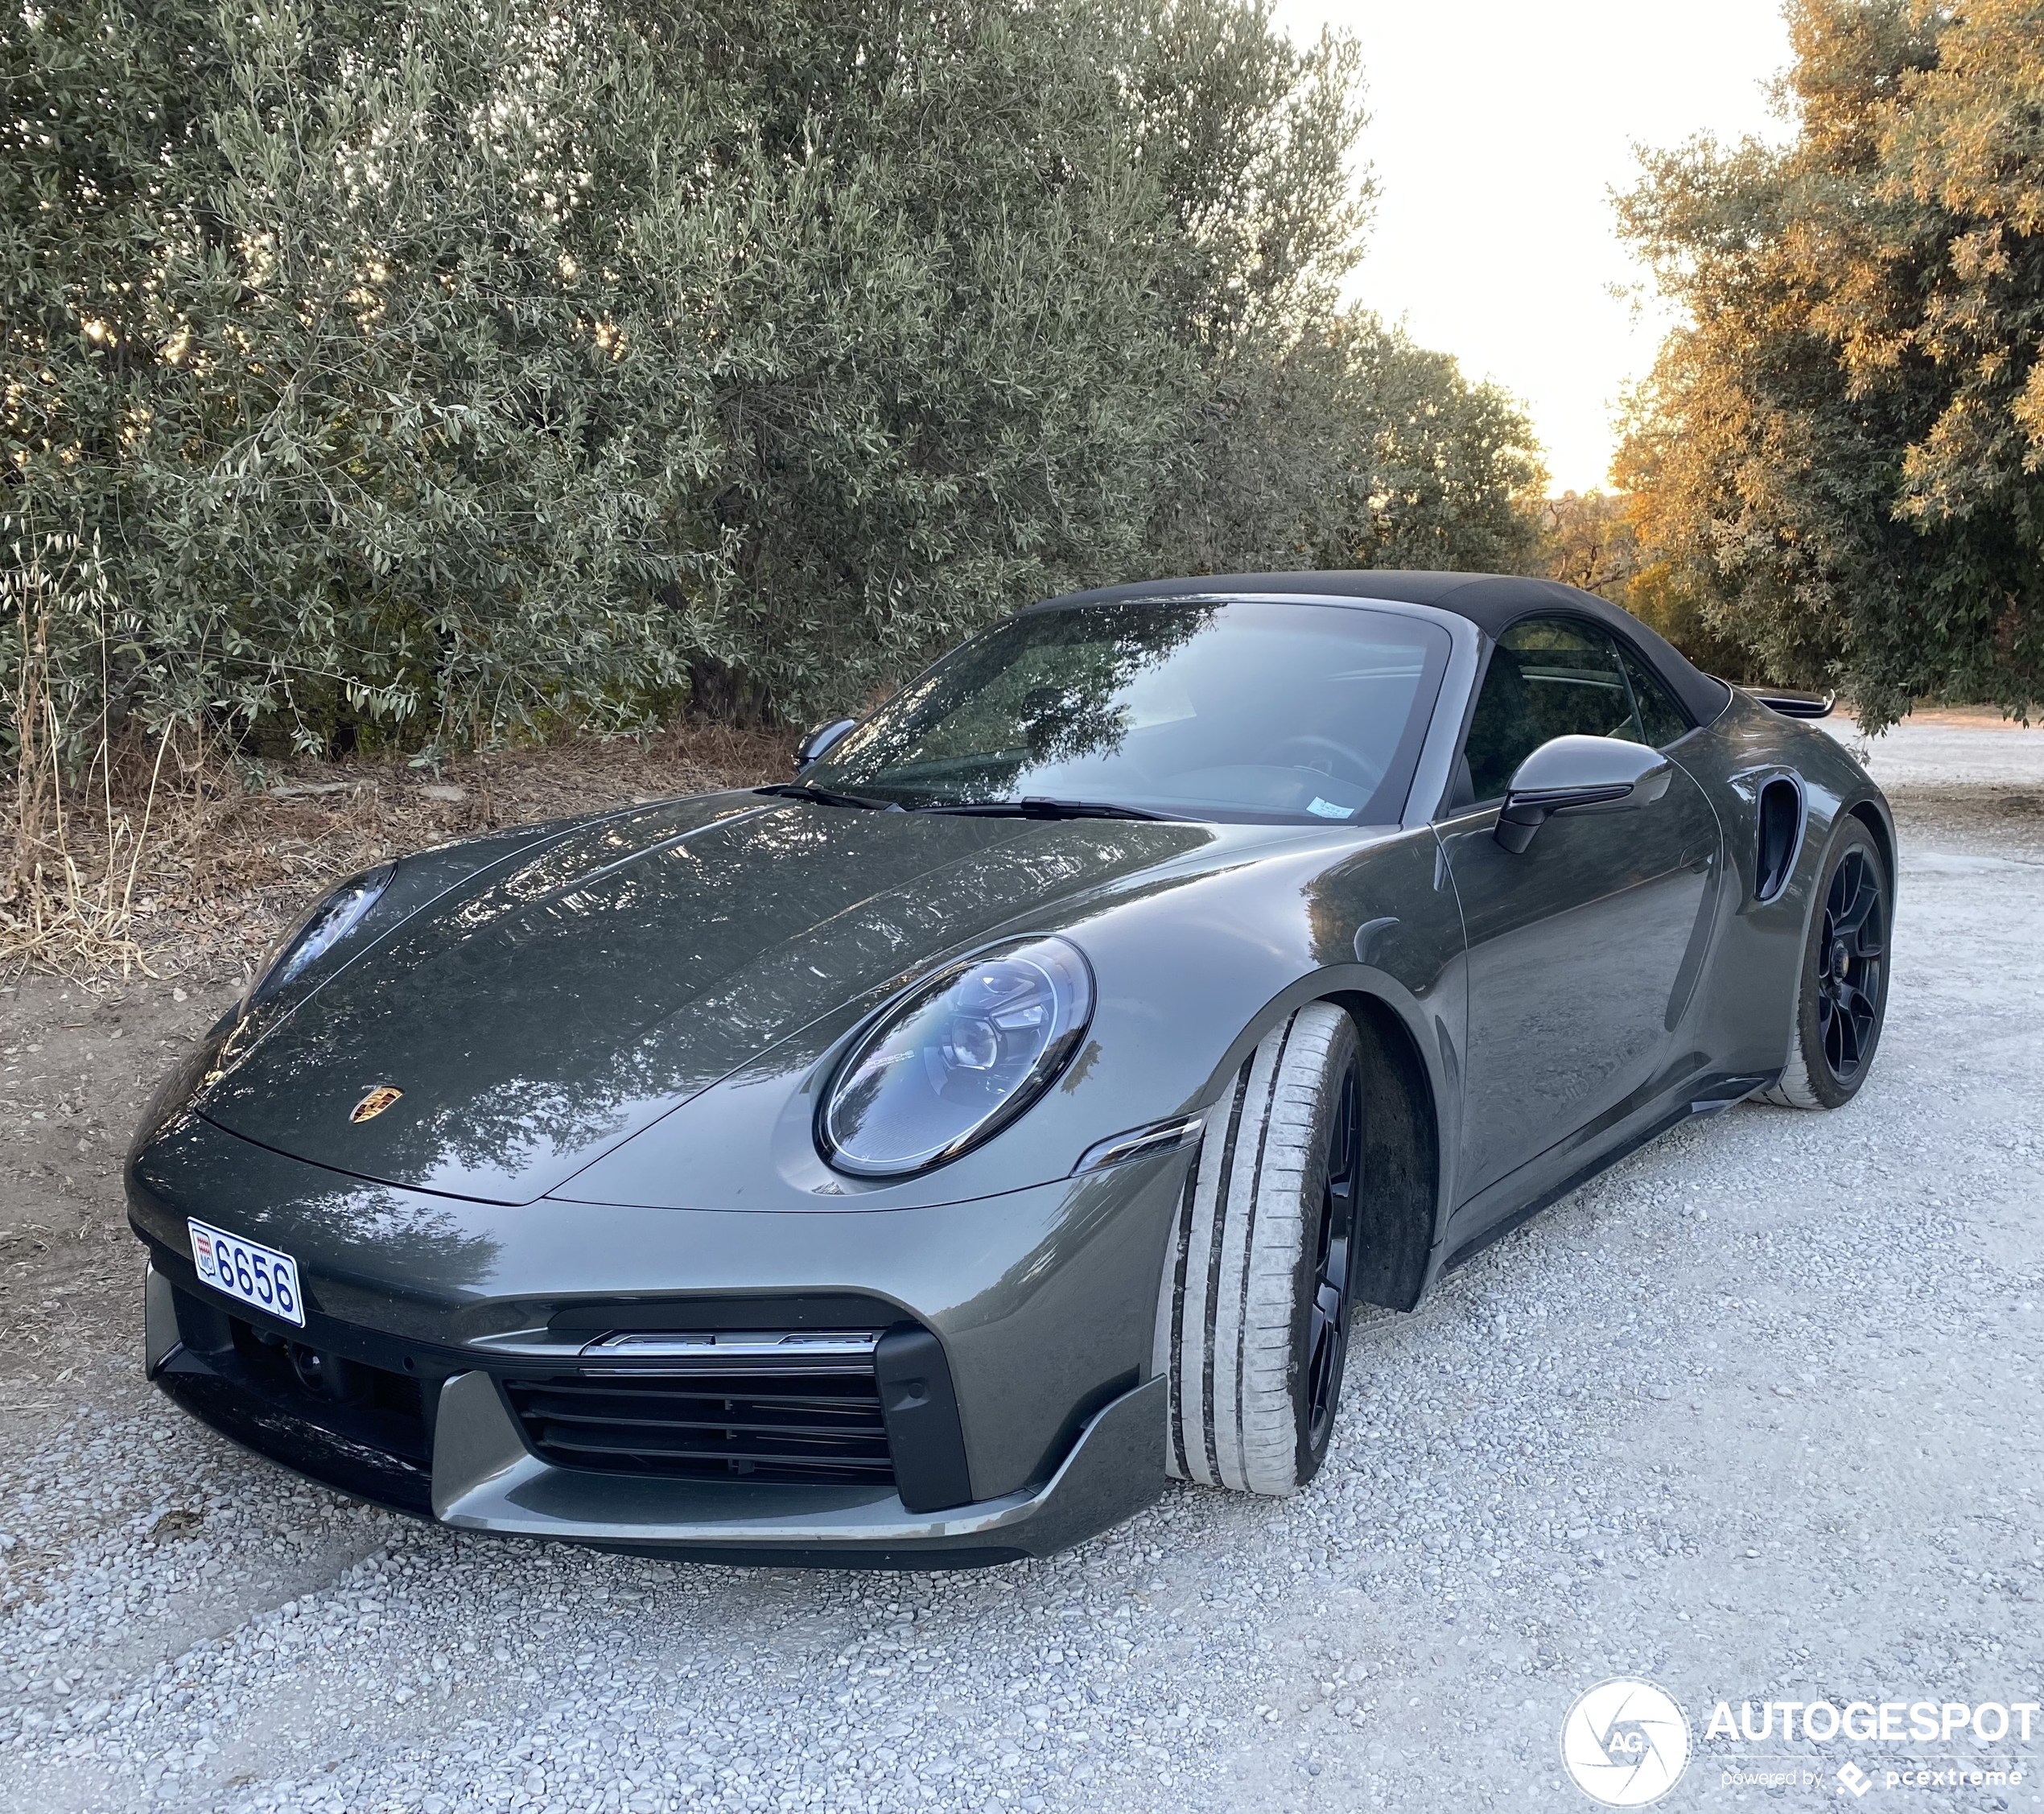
1243	711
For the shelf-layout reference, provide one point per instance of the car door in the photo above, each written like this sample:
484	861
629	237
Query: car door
1580	948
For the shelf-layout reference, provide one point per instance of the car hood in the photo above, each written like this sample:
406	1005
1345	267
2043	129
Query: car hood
554	1006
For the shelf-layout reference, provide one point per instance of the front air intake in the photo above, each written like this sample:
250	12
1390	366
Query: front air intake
728	1406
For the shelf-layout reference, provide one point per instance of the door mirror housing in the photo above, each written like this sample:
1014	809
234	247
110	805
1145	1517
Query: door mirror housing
1579	775
819	741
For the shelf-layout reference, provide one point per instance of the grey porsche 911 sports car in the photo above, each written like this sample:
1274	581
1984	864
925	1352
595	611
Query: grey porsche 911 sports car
916	1163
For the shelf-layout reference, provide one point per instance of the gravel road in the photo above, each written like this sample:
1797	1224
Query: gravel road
1755	1414
1949	749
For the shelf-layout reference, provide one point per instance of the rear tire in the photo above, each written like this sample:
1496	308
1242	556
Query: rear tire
1253	1316
1842	995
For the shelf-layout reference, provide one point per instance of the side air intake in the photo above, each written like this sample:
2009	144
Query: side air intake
1780	831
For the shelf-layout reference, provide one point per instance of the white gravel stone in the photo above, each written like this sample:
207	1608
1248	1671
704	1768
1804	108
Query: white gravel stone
1755	1414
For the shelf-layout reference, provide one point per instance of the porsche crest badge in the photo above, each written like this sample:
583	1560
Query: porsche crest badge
375	1103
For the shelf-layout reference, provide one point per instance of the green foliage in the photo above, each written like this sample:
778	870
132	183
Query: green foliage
437	372
1435	471
1837	464
1586	540
1352	448
1591	540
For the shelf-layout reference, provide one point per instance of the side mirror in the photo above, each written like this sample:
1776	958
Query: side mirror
1579	775
820	741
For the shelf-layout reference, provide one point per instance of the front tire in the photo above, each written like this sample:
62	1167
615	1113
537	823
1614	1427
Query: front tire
1842	996
1253	1318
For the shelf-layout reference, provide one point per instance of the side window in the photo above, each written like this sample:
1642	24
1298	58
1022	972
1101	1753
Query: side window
1659	717
1549	677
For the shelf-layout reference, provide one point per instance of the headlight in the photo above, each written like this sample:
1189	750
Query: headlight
319	931
956	1059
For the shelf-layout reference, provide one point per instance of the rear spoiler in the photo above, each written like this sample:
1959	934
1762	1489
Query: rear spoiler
1797	705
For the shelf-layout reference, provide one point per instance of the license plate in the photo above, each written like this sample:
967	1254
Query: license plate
257	1275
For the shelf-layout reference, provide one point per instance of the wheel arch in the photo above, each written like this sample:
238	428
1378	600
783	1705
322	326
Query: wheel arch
1411	1065
1870	814
1401	1156
1869	810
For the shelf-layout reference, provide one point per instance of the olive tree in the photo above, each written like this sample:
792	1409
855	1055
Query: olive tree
438	372
1838	464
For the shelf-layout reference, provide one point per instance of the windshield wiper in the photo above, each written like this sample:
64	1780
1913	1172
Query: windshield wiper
1035	806
823	797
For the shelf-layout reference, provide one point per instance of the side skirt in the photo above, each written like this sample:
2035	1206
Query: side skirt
1714	1096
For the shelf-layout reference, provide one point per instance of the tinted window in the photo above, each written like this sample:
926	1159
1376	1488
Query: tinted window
1548	677
1659	717
1241	711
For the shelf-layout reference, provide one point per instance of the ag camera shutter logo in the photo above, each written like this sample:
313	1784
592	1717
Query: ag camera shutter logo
1625	1743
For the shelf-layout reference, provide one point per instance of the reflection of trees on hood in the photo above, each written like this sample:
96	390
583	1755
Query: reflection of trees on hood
571	1002
1043	691
412	1239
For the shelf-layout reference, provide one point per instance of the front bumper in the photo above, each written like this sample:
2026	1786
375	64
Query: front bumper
476	1472
1009	1408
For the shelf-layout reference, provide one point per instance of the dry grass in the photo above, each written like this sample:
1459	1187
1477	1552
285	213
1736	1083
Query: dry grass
68	880
172	865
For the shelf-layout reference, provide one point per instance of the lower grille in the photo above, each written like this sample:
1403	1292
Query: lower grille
764	1421
366	1403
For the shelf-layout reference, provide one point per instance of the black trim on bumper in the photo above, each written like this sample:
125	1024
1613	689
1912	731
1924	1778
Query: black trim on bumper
793	1424
333	1460
924	1434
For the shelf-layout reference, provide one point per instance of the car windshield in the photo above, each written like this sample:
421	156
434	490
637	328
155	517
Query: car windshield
1246	710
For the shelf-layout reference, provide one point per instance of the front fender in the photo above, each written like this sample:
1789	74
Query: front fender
1191	971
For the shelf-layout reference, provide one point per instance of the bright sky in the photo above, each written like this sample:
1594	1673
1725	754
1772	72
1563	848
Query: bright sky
1498	130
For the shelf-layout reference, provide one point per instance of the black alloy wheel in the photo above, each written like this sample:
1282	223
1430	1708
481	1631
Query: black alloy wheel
1841	995
1853	951
1328	1334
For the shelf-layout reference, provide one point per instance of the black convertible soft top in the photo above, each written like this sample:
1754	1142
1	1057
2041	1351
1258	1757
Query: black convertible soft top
1490	601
